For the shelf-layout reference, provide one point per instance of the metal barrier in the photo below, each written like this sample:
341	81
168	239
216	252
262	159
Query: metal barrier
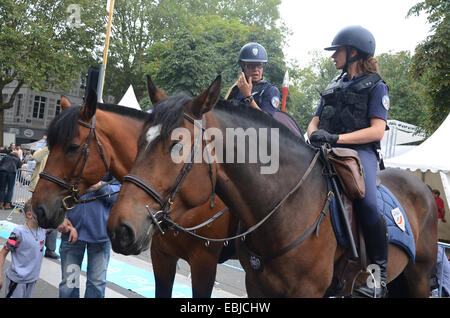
441	274
21	193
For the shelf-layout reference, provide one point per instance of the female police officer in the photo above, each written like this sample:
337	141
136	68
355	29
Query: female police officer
352	113
250	87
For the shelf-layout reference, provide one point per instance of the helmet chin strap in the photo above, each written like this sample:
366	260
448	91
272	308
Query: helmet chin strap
349	59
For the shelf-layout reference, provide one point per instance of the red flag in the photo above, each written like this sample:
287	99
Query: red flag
285	90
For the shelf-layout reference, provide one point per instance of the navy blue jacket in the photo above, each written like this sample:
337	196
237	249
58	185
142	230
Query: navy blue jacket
89	219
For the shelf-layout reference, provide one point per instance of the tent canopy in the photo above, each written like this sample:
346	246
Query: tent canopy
430	161
433	154
129	99
36	144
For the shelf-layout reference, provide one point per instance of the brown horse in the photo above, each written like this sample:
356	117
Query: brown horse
275	208
112	146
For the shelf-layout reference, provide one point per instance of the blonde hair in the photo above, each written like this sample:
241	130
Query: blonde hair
27	207
16	153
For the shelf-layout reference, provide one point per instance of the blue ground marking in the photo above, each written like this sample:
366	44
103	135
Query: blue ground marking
127	276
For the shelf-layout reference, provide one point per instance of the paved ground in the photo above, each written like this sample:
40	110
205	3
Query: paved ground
128	276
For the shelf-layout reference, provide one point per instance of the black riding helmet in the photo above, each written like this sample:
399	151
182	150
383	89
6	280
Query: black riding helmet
252	52
356	37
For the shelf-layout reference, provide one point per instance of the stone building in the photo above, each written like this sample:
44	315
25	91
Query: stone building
33	111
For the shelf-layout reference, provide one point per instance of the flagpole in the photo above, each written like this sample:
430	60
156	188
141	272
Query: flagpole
285	90
105	51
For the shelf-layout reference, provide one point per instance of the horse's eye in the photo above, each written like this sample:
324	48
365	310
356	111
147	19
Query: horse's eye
72	148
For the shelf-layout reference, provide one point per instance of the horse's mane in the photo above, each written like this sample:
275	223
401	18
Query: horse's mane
169	113
64	127
257	118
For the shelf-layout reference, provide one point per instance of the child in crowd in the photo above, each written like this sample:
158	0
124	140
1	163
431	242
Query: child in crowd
26	244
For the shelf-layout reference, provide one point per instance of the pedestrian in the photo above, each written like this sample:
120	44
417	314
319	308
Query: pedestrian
19	149
352	113
251	87
84	229
440	205
26	244
8	169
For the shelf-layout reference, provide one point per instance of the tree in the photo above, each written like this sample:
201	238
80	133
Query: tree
209	46
182	43
407	95
46	43
431	60
308	83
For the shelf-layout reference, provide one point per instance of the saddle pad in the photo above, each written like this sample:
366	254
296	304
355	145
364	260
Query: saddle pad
386	204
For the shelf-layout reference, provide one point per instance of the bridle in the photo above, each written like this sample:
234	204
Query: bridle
73	198
167	200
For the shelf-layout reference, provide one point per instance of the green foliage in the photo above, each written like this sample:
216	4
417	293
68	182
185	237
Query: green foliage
431	61
307	84
183	45
40	46
407	95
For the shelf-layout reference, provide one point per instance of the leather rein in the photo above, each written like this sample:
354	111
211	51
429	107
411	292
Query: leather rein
73	198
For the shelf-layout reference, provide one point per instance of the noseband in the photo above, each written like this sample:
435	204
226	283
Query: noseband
166	201
73	198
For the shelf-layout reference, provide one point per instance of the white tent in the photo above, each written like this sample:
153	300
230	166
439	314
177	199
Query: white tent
129	99
430	161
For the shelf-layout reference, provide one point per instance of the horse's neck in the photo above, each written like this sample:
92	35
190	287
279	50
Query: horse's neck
121	134
244	187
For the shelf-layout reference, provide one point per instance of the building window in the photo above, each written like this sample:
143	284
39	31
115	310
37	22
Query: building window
19	104
58	107
39	107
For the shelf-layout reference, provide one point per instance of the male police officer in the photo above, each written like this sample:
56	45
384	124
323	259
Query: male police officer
250	87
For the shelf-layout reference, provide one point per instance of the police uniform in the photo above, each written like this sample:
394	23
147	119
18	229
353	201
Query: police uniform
266	96
348	106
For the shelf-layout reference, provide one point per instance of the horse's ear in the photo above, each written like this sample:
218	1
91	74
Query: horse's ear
154	92
64	103
207	99
90	106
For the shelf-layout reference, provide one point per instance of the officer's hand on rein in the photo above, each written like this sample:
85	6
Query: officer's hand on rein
319	137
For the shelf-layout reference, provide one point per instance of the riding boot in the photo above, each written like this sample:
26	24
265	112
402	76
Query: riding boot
376	238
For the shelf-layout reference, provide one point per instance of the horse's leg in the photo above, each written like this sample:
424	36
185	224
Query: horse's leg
419	274
164	270
203	262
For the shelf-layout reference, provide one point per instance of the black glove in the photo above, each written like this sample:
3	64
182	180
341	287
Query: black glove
320	137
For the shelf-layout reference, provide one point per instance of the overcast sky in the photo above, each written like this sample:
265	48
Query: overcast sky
314	23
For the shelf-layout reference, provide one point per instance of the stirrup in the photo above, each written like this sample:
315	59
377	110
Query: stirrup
357	294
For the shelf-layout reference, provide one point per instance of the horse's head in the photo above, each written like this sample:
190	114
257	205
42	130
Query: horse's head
163	177
76	161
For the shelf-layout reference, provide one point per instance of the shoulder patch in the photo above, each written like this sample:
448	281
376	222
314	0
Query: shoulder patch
386	102
275	101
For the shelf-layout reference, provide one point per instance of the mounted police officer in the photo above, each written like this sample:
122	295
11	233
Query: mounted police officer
250	87
352	113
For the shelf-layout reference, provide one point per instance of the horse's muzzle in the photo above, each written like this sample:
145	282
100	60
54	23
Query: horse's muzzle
125	241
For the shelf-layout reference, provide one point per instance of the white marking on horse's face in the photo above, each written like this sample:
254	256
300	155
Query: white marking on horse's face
153	133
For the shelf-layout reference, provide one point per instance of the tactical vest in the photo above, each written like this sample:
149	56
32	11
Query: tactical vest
345	109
